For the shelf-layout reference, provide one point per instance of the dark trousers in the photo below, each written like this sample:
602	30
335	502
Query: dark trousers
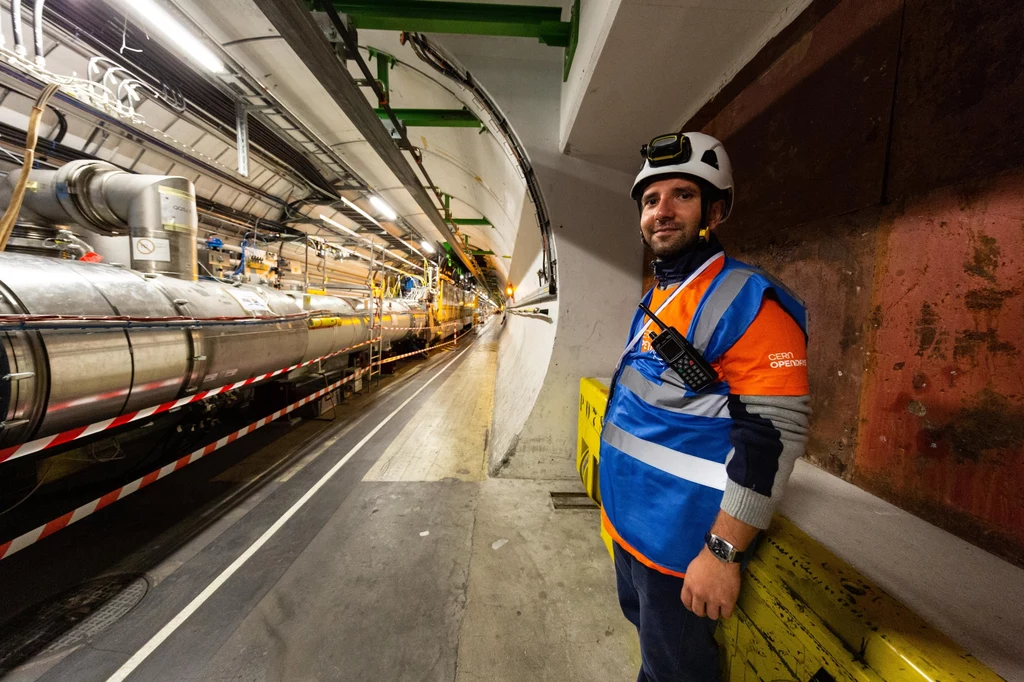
675	645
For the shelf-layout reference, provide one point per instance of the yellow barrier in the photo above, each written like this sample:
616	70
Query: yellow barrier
803	613
593	399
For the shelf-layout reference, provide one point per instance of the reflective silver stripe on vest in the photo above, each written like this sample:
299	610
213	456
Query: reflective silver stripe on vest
716	304
688	467
671	395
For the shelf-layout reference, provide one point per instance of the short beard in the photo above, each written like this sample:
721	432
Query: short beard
668	253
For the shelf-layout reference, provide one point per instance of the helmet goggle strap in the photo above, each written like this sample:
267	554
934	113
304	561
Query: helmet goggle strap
666	150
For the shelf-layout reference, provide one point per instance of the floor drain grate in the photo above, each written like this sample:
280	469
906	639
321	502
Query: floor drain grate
69	618
573	501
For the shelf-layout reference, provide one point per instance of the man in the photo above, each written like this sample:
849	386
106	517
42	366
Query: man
689	477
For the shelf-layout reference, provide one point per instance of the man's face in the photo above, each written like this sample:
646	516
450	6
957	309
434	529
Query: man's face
670	215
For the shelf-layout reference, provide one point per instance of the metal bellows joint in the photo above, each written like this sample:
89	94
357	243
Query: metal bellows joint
157	212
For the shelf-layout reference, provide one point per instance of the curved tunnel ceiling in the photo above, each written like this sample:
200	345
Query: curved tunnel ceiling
307	132
471	165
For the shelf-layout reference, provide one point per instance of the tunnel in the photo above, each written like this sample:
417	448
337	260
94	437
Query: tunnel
321	355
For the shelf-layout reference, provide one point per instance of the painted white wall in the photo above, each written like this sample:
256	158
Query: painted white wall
644	68
540	362
524	351
596	19
598	250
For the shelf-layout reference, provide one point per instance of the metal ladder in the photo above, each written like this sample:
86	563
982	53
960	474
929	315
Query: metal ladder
376	332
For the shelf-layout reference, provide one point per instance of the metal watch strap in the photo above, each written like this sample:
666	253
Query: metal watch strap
710	539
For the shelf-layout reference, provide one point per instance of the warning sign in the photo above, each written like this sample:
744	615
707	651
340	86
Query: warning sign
175	209
149	248
251	301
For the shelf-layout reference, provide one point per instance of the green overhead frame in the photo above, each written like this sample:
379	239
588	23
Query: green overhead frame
473	250
417	118
472	18
385	63
435	118
446	210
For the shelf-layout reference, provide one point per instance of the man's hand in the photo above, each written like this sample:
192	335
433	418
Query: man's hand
711	586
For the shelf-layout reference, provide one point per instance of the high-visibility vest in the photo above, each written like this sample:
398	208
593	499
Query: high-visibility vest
664	448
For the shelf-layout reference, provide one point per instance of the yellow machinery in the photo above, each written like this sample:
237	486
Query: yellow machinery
593	398
803	613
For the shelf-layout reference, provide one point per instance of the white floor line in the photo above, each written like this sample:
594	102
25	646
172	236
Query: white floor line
165	632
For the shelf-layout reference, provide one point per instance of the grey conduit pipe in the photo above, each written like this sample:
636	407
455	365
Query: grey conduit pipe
19	45
37	29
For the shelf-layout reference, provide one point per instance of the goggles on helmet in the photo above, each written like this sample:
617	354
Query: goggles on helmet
666	150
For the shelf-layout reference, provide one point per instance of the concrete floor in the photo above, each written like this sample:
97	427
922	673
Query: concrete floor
535	589
409	564
447	438
502	588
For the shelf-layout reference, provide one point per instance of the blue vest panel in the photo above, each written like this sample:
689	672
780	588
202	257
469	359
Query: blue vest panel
663	458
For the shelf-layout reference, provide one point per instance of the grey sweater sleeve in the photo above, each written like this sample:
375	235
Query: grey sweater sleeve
769	433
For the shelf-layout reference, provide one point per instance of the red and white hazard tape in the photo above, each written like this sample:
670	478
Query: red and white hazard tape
416	329
417	352
16	451
47	529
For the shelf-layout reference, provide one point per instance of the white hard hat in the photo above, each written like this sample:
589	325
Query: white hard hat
694	154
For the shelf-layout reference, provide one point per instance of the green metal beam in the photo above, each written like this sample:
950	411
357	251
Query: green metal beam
479	222
435	118
473	18
385	63
524	21
473	250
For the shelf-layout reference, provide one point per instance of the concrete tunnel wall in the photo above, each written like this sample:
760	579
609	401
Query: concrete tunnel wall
541	360
879	173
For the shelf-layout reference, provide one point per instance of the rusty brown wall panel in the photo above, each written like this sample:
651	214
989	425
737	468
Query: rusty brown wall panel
942	420
916	308
833	276
808	138
960	96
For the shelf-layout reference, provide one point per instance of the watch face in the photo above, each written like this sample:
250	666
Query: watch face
720	549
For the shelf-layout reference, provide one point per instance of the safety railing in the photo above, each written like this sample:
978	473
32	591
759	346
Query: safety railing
33	536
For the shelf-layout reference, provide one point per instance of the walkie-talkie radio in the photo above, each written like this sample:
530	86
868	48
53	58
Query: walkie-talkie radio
679	354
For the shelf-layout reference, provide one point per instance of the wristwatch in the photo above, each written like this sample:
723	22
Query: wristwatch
723	549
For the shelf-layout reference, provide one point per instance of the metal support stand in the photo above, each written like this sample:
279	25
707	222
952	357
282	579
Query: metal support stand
305	269
376	324
376	332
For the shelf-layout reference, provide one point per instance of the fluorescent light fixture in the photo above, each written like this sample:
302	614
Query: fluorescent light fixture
183	41
361	212
334	223
427	246
381	206
410	247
